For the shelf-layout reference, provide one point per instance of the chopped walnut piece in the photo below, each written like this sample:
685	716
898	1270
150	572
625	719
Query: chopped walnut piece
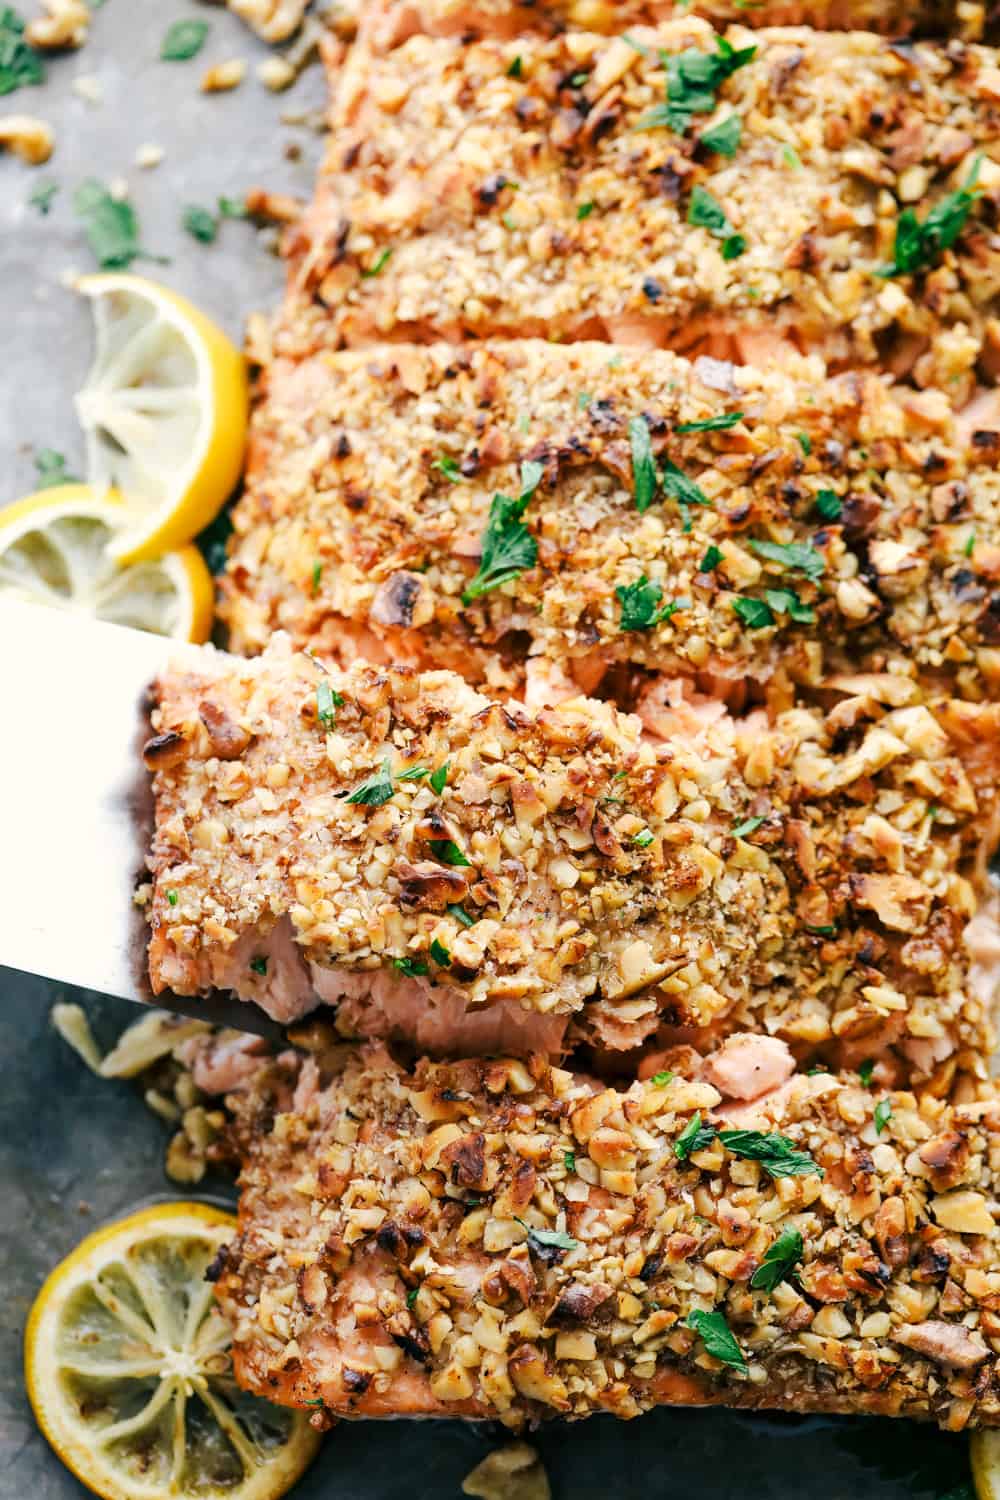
514	1472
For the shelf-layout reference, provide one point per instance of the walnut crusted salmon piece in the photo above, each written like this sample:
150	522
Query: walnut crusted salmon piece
463	874
487	1239
371	477
508	188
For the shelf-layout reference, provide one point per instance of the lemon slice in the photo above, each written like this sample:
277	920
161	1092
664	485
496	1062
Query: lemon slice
127	1361
164	411
56	548
984	1453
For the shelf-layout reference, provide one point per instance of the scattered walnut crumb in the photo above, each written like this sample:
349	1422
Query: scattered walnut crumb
29	138
276	74
272	20
149	156
513	1472
65	24
224	76
89	88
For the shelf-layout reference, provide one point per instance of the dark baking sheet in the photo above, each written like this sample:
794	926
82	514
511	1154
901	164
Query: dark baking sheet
76	1151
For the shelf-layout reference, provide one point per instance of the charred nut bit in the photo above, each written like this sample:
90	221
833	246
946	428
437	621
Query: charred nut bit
583	1304
29	138
427	886
227	738
163	750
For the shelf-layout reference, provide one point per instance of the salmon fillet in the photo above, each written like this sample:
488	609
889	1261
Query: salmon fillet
529	187
461	873
491	1239
372	476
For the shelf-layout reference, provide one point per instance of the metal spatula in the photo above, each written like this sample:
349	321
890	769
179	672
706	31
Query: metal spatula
75	806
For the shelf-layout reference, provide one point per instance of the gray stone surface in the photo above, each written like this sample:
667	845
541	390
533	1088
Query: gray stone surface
75	1151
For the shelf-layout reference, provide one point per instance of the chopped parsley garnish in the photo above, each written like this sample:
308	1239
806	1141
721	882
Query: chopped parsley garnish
883	1114
583	400
412	1296
970	543
439	778
707	212
827	931
41	196
787	602
804	442
641	607
712	424
508	547
232	208
661	1079
111	225
514	70
548	1239
440	954
919	244
779	1262
410	965
829	505
376	790
172	898
776	1153
643	838
692	80
51	467
378	264
460	914
679	487
754	613
448	852
578	80
694	1137
717	1337
584	210
724	137
643	464
259	965
328	700
318	1402
317	574
800	556
200	223
449	468
711	560
415	773
865	1072
20	64
569	1160
749	825
183	41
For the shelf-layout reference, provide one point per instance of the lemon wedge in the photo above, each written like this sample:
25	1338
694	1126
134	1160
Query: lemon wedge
164	410
128	1369
56	548
984	1454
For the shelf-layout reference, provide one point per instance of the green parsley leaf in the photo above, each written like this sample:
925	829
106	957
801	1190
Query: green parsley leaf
460	914
412	1296
378	264
776	1153
20	64
787	602
708	213
410	965
172	898
448	852
449	468
317	574
717	1337
805	442
415	773
829	505
439	778
583	400
712	424
791	158
41	197
829	931
200	223
970	543
723	137
800	556
51	467
547	1239
754	613
694	1137
641	607
508	547
919	244
883	1114
112	227
183	41
679	487
440	954
642	839
660	1080
569	1160
376	790
319	1399
865	1071
259	965
328	700
232	208
711	560
749	825
643	464
514	70
692	80
779	1262
584	210
733	246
